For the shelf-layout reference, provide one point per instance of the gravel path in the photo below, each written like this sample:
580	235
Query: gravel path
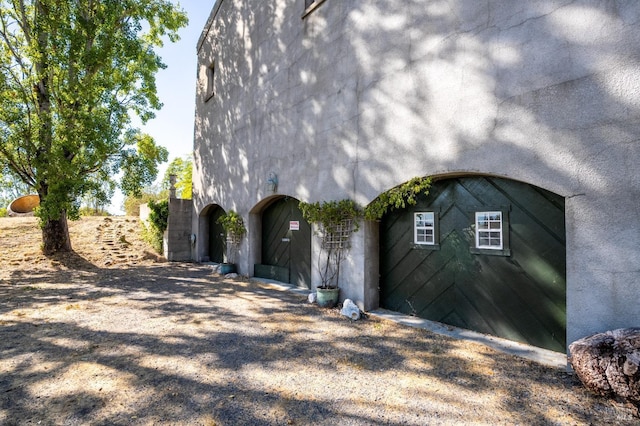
175	344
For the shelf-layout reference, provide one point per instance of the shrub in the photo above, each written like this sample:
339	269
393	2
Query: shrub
131	204
234	227
153	232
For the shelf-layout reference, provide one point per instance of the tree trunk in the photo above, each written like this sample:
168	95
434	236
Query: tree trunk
55	236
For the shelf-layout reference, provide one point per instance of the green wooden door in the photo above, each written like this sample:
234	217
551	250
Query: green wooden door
518	293
217	236
286	253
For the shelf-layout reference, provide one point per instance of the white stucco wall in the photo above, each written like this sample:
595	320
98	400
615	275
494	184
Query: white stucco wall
358	97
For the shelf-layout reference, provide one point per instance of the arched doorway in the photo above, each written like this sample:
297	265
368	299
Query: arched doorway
482	253
215	234
286	244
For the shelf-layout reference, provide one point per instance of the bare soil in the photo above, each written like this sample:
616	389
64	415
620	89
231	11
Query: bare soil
113	335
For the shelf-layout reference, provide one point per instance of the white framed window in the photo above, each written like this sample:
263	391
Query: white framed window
424	228
489	230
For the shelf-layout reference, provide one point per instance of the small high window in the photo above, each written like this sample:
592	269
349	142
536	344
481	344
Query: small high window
210	74
489	234
424	228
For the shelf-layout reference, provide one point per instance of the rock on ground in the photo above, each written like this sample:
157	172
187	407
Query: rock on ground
609	363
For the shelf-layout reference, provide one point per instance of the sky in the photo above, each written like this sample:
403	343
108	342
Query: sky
176	85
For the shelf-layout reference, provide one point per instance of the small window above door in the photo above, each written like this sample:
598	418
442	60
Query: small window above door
491	233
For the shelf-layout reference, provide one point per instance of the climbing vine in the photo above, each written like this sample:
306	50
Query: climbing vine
337	220
329	214
397	198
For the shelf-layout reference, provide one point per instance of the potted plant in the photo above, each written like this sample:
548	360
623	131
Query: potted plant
234	228
336	221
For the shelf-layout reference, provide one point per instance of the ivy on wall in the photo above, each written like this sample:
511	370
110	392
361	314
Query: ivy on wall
397	198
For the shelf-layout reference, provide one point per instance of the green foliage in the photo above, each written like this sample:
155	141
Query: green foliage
153	231
233	224
152	237
329	214
71	73
3	212
234	227
337	220
182	168
140	166
159	214
11	187
97	197
90	211
131	204
397	197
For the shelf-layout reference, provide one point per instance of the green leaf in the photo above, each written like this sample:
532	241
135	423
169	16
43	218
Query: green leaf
71	72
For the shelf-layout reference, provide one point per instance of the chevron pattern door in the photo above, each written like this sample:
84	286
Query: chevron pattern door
517	292
286	252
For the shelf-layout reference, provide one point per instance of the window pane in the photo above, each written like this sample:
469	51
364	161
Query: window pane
424	227
428	235
489	230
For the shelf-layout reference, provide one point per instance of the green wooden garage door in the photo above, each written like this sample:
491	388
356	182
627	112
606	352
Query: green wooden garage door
517	293
217	236
286	252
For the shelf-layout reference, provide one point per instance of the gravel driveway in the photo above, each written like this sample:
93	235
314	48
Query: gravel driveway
175	344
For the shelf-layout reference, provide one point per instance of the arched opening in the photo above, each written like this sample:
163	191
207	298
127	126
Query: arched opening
212	234
285	243
482	253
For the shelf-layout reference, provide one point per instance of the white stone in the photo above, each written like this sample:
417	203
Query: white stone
350	309
312	297
231	275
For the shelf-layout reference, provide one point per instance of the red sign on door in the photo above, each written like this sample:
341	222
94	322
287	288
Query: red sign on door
294	225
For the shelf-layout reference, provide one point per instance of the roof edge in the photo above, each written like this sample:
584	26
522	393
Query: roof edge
208	25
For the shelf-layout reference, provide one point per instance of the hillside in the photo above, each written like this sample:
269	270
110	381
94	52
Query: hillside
106	242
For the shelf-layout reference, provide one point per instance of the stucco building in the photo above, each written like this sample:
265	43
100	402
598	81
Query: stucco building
525	114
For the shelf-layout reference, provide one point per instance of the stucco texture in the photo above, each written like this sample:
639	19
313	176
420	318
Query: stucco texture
358	97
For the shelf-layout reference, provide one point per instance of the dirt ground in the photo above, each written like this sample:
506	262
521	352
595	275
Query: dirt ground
113	335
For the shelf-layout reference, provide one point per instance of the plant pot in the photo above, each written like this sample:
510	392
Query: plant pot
327	297
227	268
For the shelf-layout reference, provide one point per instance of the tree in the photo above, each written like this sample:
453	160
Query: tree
11	187
95	201
131	204
183	169
71	72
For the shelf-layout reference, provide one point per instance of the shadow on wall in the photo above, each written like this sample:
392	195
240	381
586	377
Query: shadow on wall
359	97
438	88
